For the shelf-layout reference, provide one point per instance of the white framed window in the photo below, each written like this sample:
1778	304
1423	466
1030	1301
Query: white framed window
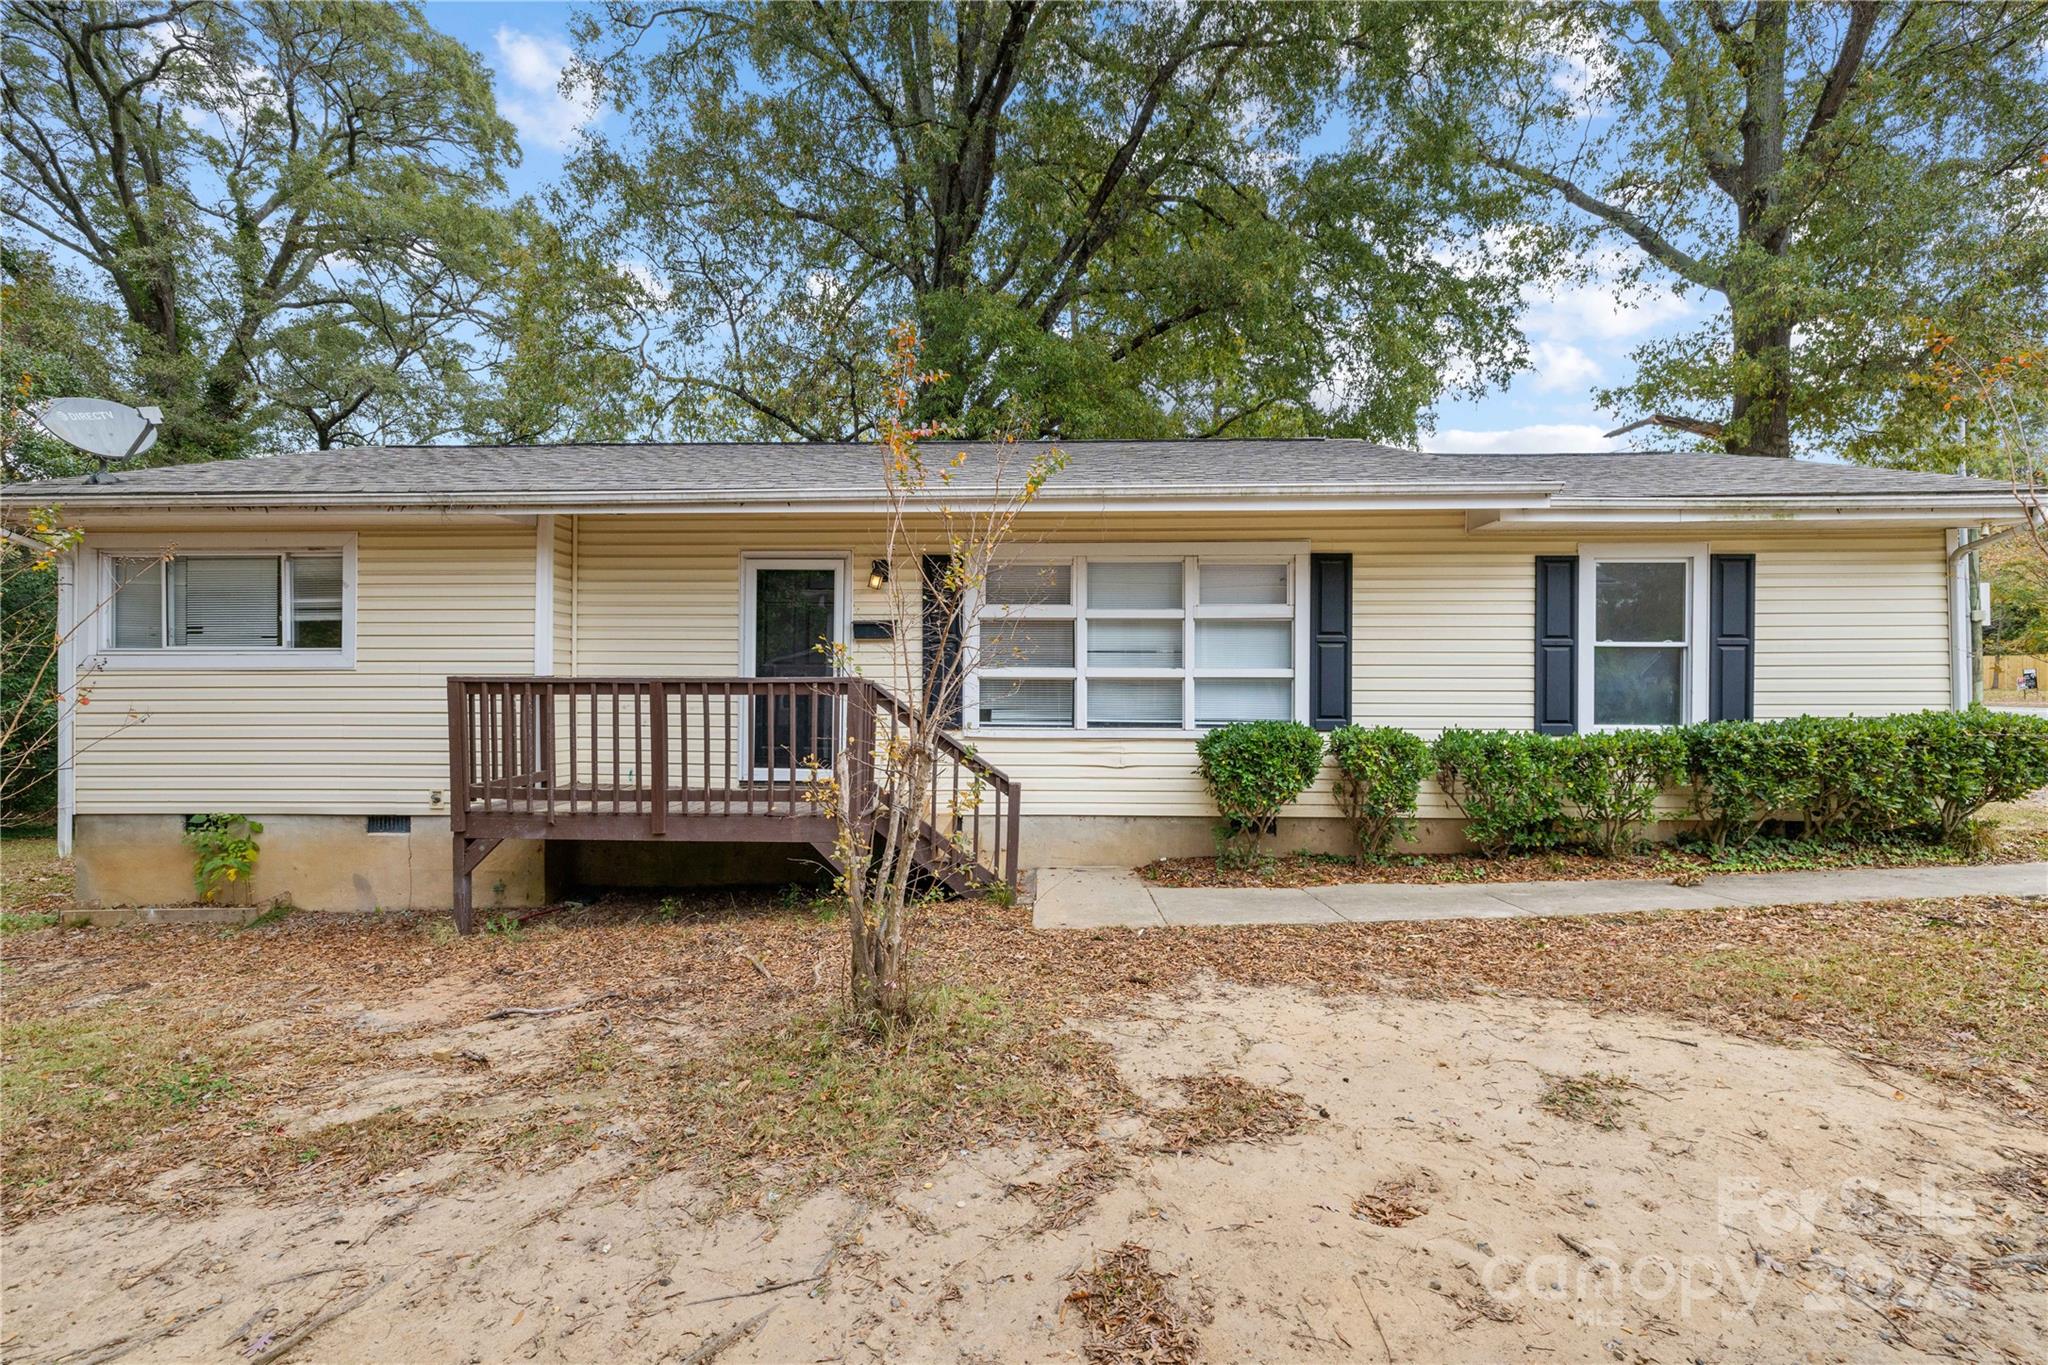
226	602
1140	639
1642	614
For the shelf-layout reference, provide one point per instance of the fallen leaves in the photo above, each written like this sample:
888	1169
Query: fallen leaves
1131	1313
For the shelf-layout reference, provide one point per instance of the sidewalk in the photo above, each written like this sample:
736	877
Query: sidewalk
1116	897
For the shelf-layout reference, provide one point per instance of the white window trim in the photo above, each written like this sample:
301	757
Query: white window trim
1697	559
101	552
1294	553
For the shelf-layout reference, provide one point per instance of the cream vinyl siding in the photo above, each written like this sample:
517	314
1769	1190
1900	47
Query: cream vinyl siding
1441	635
429	602
565	547
1442	626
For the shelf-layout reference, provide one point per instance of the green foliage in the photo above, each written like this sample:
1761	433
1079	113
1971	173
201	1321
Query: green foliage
1253	769
1379	775
1066	199
224	851
1615	779
291	229
1867	778
1510	787
1823	177
2019	601
1960	761
1745	773
1861	784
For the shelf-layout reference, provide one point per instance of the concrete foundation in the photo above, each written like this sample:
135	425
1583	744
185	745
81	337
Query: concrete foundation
315	862
1128	840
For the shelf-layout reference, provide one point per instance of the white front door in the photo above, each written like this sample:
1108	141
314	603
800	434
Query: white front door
793	614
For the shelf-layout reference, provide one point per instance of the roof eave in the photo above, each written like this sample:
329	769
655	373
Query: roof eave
1941	510
1167	498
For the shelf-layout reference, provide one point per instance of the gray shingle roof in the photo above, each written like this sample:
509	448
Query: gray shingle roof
480	474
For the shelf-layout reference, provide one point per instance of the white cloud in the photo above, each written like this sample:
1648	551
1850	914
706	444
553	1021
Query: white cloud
1561	366
1529	440
1599	306
531	93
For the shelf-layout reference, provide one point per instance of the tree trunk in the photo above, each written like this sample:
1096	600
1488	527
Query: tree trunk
1760	416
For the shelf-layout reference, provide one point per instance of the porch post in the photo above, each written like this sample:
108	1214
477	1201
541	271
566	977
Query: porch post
464	916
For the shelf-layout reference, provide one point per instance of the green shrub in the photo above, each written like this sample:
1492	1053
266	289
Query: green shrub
1744	772
1958	761
1861	783
224	850
1379	775
1252	770
1509	786
1615	778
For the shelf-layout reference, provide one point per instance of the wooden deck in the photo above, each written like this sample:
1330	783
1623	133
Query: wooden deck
704	760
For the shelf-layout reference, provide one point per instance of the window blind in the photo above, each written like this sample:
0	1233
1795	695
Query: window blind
1026	702
1244	644
1143	586
1134	701
138	603
1260	585
1219	701
225	601
1028	644
1134	644
1029	585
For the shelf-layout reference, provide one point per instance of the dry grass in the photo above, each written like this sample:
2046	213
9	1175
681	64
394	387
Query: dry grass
87	1086
677	1030
814	1099
35	884
1130	1312
1222	1108
1596	1098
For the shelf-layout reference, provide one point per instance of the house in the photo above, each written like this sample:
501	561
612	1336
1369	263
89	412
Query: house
277	637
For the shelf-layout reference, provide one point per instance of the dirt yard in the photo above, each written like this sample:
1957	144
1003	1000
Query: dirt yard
1762	1134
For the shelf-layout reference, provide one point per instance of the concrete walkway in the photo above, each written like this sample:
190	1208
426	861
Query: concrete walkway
1116	897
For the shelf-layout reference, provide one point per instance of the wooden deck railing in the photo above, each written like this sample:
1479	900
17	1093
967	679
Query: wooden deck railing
703	759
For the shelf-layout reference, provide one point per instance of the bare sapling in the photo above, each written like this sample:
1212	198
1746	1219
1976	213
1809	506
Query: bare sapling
944	523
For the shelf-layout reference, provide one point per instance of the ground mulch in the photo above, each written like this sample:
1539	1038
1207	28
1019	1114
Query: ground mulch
1290	870
305	1008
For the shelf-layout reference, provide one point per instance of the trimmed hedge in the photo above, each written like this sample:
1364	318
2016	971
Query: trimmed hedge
1615	779
1379	776
1252	769
1510	787
1838	778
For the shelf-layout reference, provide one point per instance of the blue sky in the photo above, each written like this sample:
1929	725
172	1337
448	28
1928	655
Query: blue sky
1579	337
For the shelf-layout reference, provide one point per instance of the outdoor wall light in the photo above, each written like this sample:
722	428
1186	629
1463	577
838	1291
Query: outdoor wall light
878	574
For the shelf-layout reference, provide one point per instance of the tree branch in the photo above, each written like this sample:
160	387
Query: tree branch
1681	263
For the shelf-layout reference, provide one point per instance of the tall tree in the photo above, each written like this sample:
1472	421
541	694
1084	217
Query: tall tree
291	202
1108	219
1834	174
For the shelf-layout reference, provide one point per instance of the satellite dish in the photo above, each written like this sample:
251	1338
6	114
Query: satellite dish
106	431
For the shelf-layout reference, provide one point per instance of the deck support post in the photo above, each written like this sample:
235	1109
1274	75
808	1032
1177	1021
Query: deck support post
468	853
465	916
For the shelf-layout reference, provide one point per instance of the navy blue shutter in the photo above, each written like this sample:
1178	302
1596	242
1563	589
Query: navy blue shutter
1731	666
942	628
1329	653
1557	646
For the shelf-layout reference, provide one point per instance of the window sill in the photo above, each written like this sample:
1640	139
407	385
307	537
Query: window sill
1092	732
221	660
